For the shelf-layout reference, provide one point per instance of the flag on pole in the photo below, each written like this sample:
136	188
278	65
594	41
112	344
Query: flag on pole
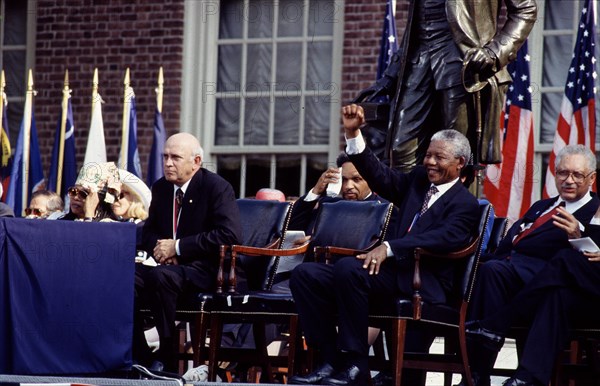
155	163
96	146
389	40
63	165
509	185
6	160
27	174
577	118
129	157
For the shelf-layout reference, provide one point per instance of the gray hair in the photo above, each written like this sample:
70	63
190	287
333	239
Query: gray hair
199	151
460	143
577	150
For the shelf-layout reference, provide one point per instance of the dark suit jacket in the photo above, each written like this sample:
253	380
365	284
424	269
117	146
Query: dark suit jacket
209	218
532	252
304	213
447	225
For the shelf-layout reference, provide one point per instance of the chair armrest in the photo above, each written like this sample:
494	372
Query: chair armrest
328	251
417	283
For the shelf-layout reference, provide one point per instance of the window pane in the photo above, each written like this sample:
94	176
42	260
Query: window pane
287	120
558	52
558	15
230	68
287	175
322	14
232	18
260	19
318	66
15	22
229	169
256	121
258	74
550	109
14	112
316	121
291	18
14	70
258	172
289	63
227	123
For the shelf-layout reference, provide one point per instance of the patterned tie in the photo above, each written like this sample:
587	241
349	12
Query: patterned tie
432	190
177	206
537	223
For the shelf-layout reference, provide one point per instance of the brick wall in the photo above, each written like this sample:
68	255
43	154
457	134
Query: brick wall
110	35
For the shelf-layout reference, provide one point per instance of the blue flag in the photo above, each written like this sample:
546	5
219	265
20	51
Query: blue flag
27	174
389	40
155	164
133	156
69	163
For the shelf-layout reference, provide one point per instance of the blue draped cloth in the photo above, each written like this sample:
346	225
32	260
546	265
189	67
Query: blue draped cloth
66	296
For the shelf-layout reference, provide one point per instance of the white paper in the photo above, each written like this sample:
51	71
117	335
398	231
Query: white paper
584	244
333	190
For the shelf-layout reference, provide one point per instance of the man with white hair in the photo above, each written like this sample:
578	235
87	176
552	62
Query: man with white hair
193	212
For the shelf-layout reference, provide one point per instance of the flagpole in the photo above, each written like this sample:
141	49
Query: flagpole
2	86
125	131
63	128
26	140
159	90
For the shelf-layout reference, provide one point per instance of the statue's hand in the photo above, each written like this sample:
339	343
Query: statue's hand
353	116
481	61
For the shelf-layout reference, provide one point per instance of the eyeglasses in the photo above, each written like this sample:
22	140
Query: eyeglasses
577	176
82	194
33	211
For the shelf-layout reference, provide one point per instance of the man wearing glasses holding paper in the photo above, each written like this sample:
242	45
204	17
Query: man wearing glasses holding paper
526	250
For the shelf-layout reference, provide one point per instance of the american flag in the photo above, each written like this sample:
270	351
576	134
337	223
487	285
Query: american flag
577	119
509	185
389	40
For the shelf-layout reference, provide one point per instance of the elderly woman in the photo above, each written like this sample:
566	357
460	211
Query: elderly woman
96	189
134	201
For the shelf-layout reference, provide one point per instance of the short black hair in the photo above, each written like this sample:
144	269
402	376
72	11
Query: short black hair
342	159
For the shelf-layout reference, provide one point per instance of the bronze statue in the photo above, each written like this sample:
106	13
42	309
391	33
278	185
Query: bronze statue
443	39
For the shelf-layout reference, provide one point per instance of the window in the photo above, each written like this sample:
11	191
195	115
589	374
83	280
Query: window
268	92
551	47
17	32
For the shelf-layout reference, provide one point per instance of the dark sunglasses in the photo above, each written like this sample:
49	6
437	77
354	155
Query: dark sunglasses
33	211
82	194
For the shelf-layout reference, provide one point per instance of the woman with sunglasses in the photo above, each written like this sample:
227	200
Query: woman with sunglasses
96	189
133	202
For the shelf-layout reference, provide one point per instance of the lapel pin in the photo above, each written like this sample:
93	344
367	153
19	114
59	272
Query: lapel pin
191	201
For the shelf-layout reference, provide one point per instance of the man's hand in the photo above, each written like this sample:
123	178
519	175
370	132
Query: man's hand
592	256
567	222
353	116
301	241
164	252
481	61
373	259
331	175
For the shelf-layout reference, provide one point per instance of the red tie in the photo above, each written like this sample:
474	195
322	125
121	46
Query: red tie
177	208
537	223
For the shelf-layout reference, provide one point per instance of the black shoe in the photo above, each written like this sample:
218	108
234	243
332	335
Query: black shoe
477	380
518	382
482	333
352	376
313	378
383	378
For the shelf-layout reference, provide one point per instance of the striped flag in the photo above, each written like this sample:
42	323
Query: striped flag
577	119
129	157
96	146
63	165
27	174
155	163
509	185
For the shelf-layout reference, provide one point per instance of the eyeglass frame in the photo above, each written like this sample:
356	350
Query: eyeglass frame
80	193
578	177
34	211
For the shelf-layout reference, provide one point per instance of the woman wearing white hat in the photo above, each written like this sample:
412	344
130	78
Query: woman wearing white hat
133	202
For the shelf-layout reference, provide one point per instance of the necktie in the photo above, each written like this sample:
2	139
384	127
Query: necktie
432	190
537	223
177	208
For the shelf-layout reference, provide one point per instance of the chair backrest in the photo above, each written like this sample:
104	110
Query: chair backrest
497	233
263	222
467	275
351	224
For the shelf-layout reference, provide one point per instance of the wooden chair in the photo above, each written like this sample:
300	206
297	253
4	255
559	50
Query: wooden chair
447	320
260	306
